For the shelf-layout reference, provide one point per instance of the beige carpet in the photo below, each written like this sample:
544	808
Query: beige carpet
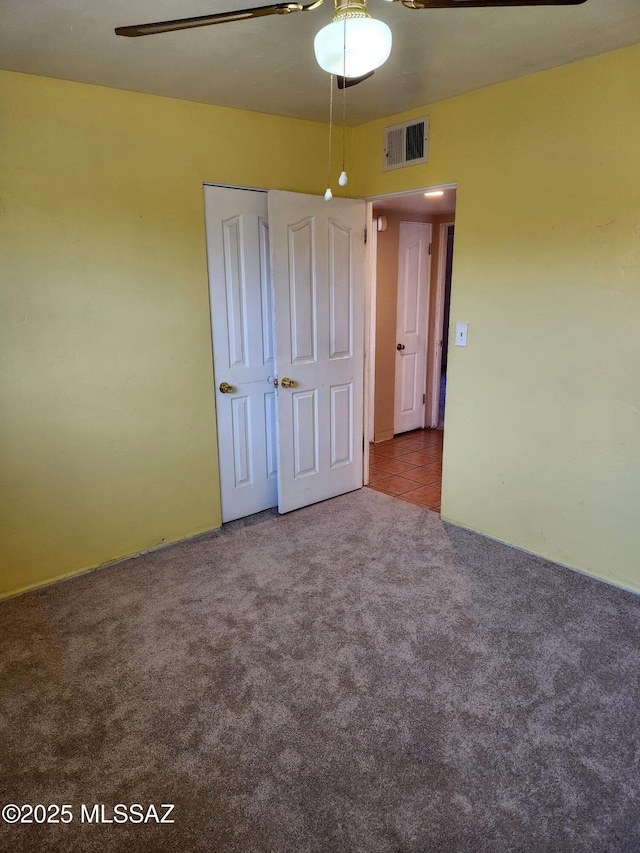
355	676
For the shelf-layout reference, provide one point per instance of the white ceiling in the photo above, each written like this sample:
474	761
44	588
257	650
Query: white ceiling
416	203
267	64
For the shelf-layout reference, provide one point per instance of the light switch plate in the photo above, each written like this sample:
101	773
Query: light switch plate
461	334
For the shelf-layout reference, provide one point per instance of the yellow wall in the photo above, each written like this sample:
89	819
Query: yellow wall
107	422
542	429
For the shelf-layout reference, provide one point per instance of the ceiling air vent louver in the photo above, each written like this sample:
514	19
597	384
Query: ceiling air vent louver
406	144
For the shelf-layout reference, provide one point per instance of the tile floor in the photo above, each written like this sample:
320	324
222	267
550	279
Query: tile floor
409	467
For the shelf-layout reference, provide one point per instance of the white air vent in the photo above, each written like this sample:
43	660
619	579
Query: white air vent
406	144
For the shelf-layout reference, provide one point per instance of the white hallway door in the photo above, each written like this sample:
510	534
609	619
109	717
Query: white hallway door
299	441
414	268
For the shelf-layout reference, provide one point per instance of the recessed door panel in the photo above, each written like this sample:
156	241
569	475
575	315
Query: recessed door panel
235	291
240	417
411	287
266	291
271	456
305	433
408	382
302	291
340	291
341	424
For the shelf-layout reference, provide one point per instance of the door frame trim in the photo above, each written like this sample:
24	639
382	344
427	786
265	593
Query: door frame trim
370	304
370	285
433	381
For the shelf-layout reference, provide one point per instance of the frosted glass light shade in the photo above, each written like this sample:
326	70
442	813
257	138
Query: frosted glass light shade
368	45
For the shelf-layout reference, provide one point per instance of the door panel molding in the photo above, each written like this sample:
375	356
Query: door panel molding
341	424
305	432
302	291
340	291
266	292
240	417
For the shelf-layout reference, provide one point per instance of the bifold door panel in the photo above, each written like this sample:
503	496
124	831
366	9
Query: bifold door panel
317	248
243	356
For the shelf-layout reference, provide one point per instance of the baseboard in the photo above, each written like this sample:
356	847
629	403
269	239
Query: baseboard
77	573
631	589
387	435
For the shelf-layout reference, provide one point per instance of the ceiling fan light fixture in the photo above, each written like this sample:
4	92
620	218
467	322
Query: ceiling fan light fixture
354	46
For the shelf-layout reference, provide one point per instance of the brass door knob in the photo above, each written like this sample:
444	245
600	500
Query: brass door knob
285	382
225	388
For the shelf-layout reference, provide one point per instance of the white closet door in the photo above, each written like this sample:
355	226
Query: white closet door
243	353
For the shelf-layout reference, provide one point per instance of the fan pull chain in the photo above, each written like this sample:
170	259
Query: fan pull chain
342	180
328	194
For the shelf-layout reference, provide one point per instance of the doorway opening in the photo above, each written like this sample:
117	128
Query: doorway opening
412	255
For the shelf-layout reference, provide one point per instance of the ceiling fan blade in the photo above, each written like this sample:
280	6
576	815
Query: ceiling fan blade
218	18
496	4
347	82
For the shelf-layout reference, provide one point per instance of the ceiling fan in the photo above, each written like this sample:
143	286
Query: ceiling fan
352	45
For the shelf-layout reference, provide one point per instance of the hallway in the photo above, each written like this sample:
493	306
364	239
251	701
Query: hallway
409	467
